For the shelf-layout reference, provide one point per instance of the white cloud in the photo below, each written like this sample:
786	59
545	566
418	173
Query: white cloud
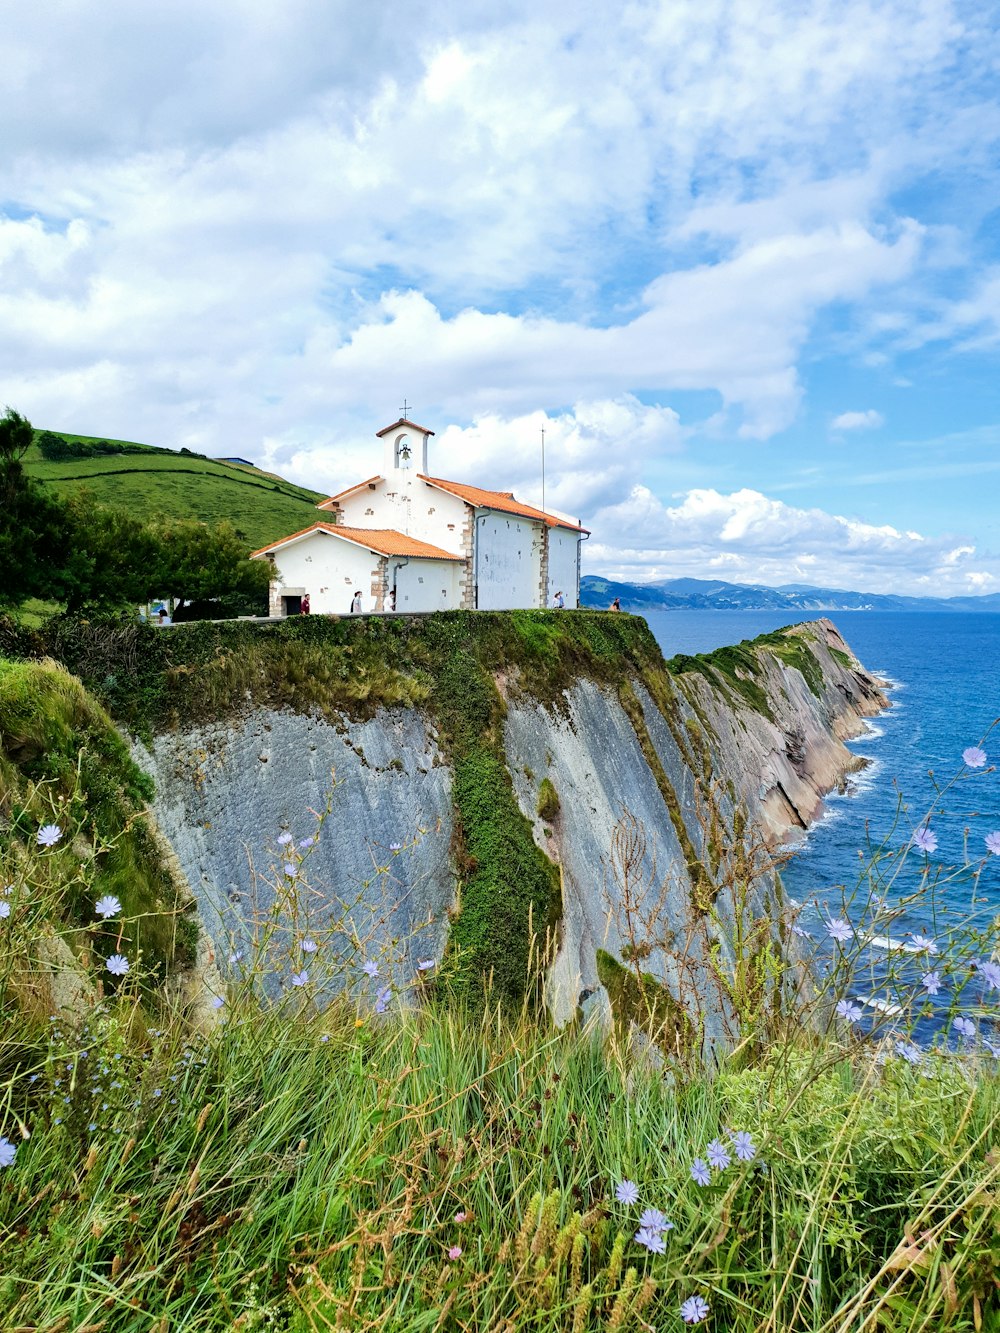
866	420
748	537
245	228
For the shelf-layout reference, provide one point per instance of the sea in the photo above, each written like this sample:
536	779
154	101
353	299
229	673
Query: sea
944	676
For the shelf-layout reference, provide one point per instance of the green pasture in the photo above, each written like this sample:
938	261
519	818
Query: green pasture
262	507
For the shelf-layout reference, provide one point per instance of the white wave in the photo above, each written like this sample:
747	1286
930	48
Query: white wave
856	784
883	1006
872	731
888	680
892	945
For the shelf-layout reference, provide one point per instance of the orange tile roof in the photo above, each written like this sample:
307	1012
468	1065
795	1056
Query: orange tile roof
386	541
403	421
358	486
502	500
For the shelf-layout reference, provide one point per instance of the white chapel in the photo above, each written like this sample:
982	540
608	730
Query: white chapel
407	541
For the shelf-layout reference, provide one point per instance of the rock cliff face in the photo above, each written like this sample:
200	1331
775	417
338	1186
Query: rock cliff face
734	781
665	786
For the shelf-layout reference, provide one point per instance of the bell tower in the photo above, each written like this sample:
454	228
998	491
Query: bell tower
405	448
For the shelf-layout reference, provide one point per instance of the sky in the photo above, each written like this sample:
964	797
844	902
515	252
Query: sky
740	261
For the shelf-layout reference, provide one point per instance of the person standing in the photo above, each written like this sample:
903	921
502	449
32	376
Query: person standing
392	599
356	603
559	601
304	607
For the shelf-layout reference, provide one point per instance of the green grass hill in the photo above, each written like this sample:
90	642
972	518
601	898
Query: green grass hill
148	480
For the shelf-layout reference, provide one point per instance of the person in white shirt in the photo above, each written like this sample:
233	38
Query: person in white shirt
559	601
356	604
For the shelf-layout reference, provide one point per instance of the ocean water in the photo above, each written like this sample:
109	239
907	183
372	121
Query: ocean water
945	674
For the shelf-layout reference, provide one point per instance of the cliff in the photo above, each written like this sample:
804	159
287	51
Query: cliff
478	784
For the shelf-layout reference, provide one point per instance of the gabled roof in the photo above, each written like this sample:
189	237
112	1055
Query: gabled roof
387	541
342	495
403	421
502	500
383	541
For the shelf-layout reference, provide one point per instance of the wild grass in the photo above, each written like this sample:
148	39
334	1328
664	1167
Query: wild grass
389	1159
62	761
427	1170
327	1148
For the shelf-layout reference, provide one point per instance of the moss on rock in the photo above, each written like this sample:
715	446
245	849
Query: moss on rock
548	800
640	999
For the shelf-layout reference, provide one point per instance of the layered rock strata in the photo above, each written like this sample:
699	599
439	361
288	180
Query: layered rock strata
668	788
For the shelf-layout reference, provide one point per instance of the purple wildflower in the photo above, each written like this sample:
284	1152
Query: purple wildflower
839	929
290	869
425	964
395	846
653	1220
306	842
627	1192
924	839
990	973
993	843
924	944
308	946
694	1310
370	968
652	1240
217	1002
4	909
455	1252
117	964
743	1146
382	999
910	1053
8	1151
849	1010
931	982
802	933
48	835
700	1173
973	757
300	978
284	839
107	906
718	1156
964	1026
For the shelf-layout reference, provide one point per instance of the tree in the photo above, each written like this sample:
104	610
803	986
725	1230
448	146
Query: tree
198	561
115	558
98	558
15	438
119	560
34	531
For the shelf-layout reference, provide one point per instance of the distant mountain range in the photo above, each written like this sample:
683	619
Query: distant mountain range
714	595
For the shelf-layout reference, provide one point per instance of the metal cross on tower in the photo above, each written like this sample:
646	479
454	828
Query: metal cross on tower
403	416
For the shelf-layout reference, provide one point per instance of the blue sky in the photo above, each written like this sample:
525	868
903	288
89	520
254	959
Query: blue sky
741	261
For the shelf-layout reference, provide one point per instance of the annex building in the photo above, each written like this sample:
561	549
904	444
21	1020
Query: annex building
412	542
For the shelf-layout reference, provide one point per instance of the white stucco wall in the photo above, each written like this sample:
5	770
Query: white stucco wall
409	505
508	564
427	585
563	565
330	570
